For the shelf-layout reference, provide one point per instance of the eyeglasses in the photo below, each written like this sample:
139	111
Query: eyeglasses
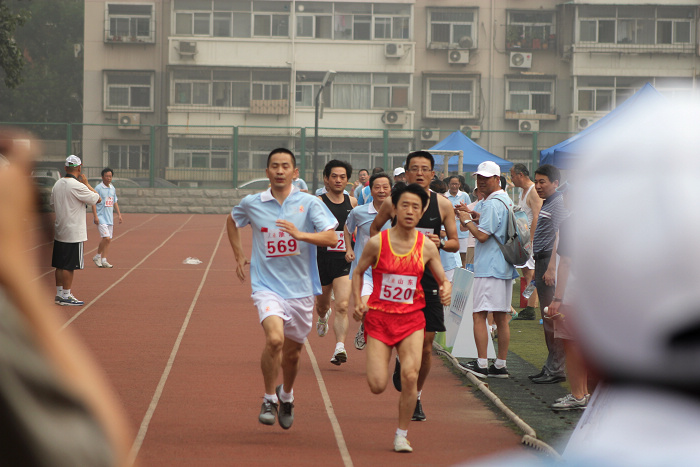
420	169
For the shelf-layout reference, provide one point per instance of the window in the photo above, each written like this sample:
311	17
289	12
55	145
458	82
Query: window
604	93
192	87
206	153
530	95
271	19
128	156
450	98
352	21
390	90
530	29
217	18
128	91
370	91
314	20
450	26
638	24
391	21
129	23
308	84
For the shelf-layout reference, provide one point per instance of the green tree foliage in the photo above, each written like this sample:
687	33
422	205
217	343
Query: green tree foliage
52	88
11	60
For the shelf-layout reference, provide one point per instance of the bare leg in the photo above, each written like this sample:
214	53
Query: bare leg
341	290
290	363
502	319
378	354
410	353
426	361
323	301
104	246
272	353
528	276
575	369
66	278
480	333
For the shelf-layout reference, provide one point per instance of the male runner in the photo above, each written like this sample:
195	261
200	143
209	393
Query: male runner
284	277
393	315
103	216
333	268
419	169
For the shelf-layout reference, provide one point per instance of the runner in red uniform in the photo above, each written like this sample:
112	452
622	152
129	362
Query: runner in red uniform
394	315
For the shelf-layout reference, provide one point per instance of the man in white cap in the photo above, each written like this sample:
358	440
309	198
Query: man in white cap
68	198
399	175
493	275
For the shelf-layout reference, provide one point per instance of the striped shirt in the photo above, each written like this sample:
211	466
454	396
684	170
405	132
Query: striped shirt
551	215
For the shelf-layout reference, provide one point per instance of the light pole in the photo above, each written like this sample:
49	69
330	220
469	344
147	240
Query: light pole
328	79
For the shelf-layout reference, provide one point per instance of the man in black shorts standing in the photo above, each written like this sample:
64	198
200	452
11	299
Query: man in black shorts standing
440	212
333	269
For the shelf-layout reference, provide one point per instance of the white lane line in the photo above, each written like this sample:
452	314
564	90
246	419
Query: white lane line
95	249
143	429
86	307
339	439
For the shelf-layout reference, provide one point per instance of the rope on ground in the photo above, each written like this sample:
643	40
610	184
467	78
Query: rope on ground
529	437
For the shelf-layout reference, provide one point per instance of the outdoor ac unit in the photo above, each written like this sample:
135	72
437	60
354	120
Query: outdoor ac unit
528	126
584	122
458	57
187	48
520	60
394	50
129	121
476	130
429	134
465	42
394	117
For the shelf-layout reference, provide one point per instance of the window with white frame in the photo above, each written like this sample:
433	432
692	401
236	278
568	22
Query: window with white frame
370	91
192	87
537	95
314	20
448	26
307	86
604	93
530	29
271	19
270	85
391	21
637	24
450	97
128	22
352	21
132	156
128	90
205	153
218	18
390	90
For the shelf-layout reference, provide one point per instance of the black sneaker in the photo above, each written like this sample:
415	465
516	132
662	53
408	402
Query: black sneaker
396	377
474	368
498	372
268	413
526	314
418	415
286	415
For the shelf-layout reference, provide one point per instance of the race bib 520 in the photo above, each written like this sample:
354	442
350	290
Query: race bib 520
398	288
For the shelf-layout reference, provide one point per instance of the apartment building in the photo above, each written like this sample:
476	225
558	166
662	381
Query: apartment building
203	89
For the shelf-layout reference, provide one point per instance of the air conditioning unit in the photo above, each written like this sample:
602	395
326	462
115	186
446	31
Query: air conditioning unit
187	48
520	60
129	121
394	50
465	42
476	130
528	126
394	117
458	56
584	122
429	134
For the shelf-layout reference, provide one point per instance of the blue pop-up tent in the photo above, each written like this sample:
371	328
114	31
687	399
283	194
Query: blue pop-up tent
565	154
473	154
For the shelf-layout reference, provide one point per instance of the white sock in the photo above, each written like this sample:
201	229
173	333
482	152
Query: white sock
401	432
500	363
98	255
271	398
339	345
66	293
483	362
104	260
59	291
494	326
284	397
419	393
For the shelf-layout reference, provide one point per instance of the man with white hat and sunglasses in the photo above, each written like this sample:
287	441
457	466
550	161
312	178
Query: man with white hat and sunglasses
68	198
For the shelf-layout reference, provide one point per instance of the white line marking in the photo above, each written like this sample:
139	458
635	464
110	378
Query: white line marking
85	308
143	429
339	439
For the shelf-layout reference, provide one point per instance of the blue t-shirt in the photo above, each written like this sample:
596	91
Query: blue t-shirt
460	197
361	217
272	267
299	183
488	258
105	208
365	196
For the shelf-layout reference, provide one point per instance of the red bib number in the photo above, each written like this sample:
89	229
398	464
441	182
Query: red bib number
398	288
340	246
278	243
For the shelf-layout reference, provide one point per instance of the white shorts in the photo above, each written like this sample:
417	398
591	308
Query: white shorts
105	230
491	294
450	274
529	265
297	313
463	244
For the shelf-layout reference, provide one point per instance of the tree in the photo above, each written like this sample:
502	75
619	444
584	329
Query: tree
11	59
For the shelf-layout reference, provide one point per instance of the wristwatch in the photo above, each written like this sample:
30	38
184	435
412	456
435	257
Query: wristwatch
443	240
466	221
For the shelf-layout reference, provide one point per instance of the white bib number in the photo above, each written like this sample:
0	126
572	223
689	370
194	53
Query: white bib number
340	246
278	243
425	231
109	202
398	288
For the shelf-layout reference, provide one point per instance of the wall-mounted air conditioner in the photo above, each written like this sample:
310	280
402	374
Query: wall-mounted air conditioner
520	60
187	48
584	122
476	130
458	56
129	121
394	50
526	127
394	117
429	134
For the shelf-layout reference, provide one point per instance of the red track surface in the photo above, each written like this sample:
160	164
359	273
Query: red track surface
181	344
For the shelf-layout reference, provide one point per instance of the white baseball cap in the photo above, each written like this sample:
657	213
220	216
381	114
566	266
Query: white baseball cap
488	169
73	161
399	171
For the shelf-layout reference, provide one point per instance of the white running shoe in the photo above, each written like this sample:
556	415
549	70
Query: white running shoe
401	444
98	261
105	264
339	356
360	341
71	301
322	324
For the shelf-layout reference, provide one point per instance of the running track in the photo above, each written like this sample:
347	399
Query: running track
181	345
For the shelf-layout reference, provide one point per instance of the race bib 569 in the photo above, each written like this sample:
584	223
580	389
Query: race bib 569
278	243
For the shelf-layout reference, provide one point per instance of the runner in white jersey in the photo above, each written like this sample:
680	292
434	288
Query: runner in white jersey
103	216
287	226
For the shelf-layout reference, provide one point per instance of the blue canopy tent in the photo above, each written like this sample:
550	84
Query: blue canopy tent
472	154
565	154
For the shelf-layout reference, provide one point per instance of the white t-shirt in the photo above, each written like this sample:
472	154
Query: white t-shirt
68	198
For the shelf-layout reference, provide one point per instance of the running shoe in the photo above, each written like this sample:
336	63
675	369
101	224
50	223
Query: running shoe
105	264
268	413
396	377
418	414
571	403
98	261
401	444
339	356
474	368
322	324
286	414
58	299
571	396
71	301
360	341
498	372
